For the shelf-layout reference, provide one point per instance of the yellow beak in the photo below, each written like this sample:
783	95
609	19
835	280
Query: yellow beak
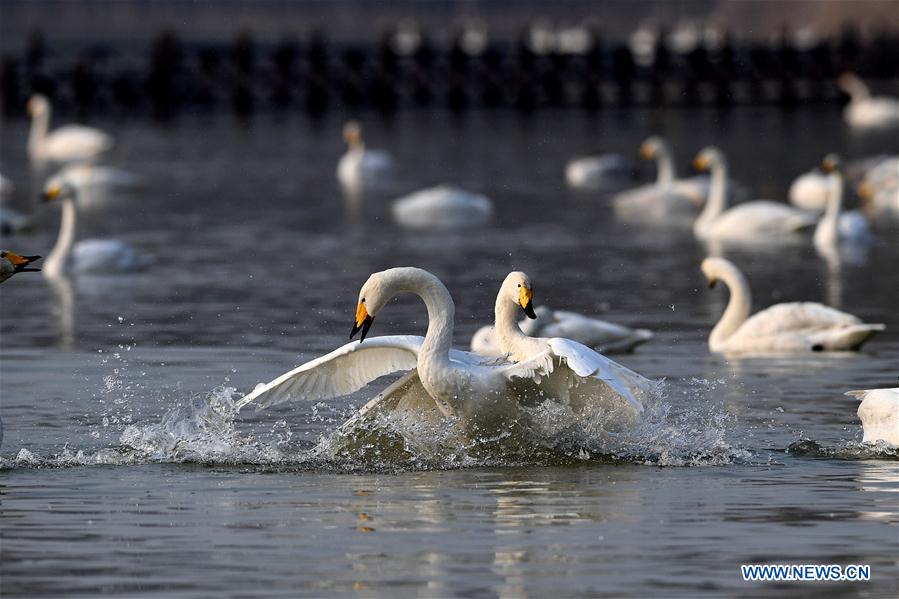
362	323
646	152
700	164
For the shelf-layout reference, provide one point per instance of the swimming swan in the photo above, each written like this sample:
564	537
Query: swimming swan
582	375
756	221
88	255
360	166
865	110
879	191
481	393
788	327
442	207
65	144
837	226
879	413
11	264
603	172
605	337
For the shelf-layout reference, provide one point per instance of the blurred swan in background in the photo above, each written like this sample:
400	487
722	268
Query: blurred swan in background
603	172
601	335
66	144
759	221
12	263
787	327
359	166
879	413
96	185
88	255
442	207
879	192
582	376
810	190
837	226
448	382
865	110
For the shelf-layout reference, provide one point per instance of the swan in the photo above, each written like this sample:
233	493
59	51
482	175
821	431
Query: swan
809	191
442	207
577	364
88	255
836	226
604	172
759	220
11	264
96	183
789	327
667	196
65	144
360	166
879	190
879	413
605	337
867	111
478	391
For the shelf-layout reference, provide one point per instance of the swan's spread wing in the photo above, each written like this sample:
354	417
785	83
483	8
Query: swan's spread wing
343	371
587	363
796	316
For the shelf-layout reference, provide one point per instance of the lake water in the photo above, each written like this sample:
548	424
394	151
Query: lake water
126	472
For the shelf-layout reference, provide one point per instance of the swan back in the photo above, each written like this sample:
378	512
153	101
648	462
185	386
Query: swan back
879	413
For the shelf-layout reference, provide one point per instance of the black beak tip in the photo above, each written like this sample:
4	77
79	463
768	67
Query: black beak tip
529	311
364	327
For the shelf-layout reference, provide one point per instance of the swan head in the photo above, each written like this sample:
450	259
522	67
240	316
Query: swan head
517	288
831	164
377	291
707	157
57	189
714	268
652	147
19	263
352	134
37	105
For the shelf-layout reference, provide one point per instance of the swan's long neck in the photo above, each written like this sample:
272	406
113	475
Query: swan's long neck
664	166
40	123
737	310
857	90
55	264
509	334
441	312
826	233
717	201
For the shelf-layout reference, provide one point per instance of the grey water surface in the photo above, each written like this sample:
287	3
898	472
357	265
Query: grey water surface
125	471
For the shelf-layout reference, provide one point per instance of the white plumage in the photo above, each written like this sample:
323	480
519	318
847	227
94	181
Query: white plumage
360	167
442	207
788	328
879	413
65	144
603	172
866	111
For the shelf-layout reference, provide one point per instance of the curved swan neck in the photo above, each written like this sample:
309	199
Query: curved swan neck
440	306
664	165
40	123
738	306
717	201
55	264
827	230
505	315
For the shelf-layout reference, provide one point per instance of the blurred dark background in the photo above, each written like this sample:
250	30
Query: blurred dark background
162	57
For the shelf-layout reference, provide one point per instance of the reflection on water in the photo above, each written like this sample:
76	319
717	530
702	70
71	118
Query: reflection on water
122	461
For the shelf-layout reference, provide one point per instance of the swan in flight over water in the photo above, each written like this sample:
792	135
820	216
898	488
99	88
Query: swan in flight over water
11	263
442	207
759	221
481	393
783	328
879	413
360	166
66	144
88	255
605	337
864	110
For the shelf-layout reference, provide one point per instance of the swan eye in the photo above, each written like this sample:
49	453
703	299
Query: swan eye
362	301
519	284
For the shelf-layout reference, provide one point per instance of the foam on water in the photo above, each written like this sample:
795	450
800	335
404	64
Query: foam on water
206	429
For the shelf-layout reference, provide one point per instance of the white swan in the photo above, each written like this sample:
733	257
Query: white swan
442	207
809	191
879	413
879	191
867	111
789	327
96	185
582	375
11	263
756	221
88	255
603	172
667	197
482	395
605	337
360	166
837	226
65	144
